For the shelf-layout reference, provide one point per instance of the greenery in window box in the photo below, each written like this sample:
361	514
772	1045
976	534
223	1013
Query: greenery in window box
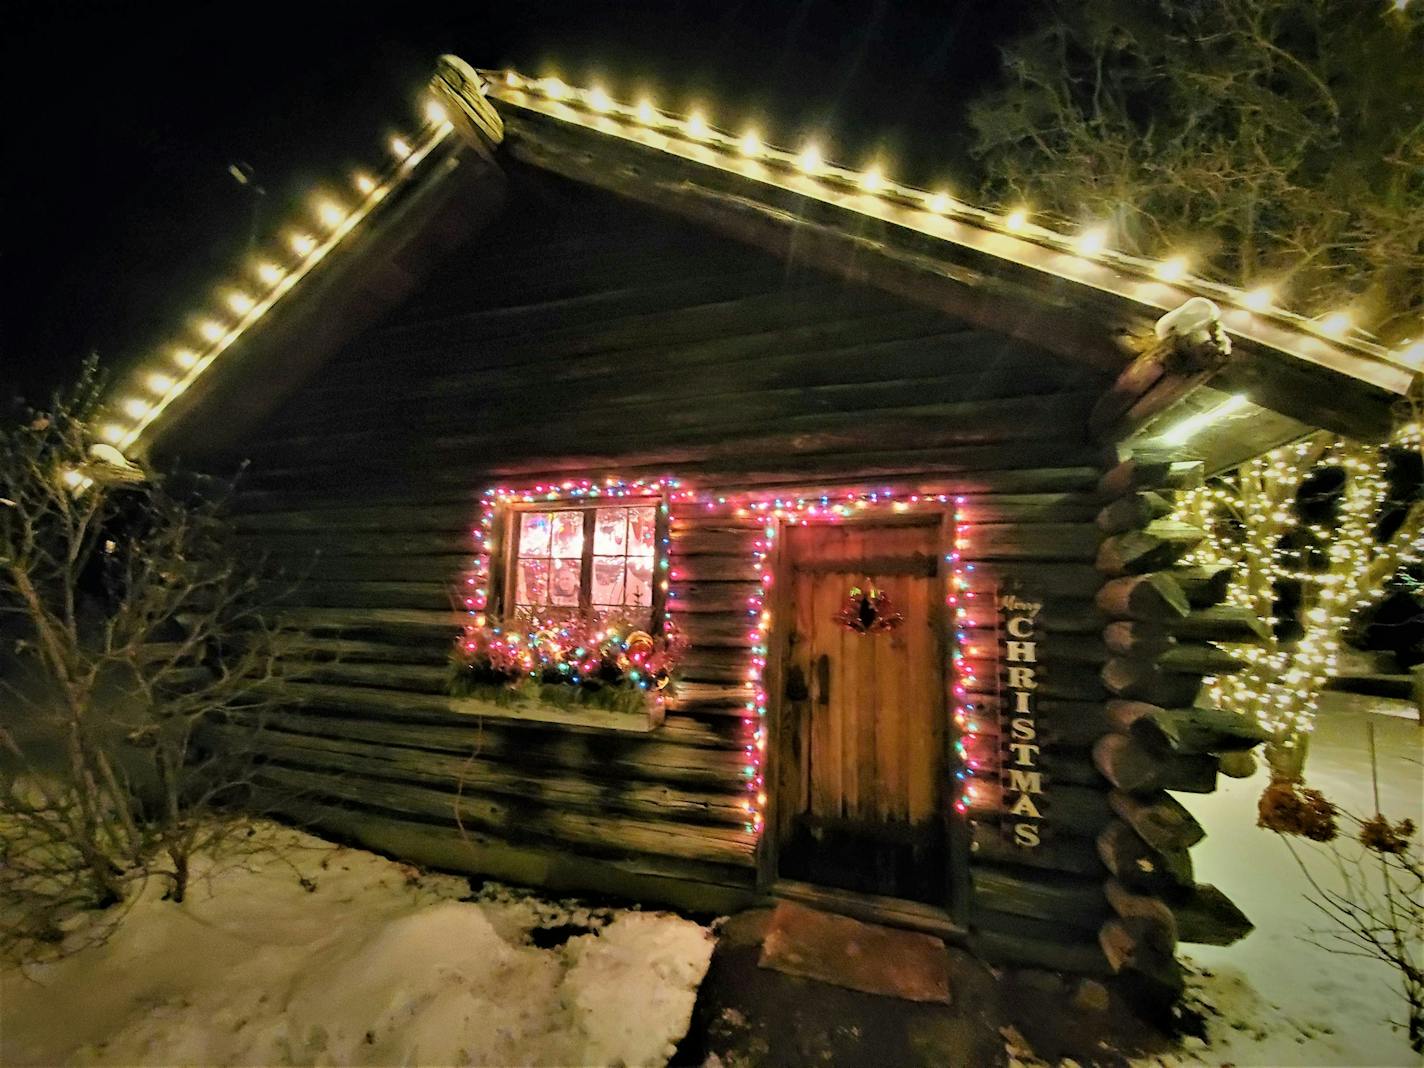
566	661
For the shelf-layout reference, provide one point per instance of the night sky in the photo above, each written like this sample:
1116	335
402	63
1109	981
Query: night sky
122	120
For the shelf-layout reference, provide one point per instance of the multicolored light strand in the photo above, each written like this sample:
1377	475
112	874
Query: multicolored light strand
770	512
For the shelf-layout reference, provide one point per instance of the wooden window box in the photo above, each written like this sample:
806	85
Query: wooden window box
561	704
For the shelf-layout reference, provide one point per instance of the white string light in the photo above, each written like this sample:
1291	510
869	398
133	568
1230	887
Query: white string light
247	307
1250	522
1277	326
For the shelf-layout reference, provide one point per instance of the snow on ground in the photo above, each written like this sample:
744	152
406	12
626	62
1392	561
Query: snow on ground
1278	999
376	964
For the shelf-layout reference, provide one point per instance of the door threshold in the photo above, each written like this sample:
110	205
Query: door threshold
873	908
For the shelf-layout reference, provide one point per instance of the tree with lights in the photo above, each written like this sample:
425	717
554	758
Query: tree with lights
1313	535
1290	131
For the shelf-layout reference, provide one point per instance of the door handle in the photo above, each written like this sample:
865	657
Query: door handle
823	680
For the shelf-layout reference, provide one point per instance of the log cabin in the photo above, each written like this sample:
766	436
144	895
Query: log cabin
682	518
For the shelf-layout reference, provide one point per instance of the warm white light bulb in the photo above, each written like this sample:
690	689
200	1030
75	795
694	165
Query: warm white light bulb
1092	241
269	273
872	179
1411	355
1336	324
751	144
1173	269
810	159
330	213
646	112
365	184
159	383
72	477
302	244
112	433
399	148
1259	299
1016	220
136	408
697	125
435	112
210	329
939	203
239	302
598	99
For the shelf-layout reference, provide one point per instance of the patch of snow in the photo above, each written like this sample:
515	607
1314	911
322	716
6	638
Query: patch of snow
1274	998
379	964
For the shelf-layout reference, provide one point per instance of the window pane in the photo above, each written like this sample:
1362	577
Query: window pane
640	581
533	582
642	531
565	585
610	531
534	534
568	534
608	580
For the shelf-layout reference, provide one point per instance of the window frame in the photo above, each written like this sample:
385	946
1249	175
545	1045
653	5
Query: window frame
504	572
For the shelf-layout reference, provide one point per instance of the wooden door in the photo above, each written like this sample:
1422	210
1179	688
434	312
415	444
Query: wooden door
865	714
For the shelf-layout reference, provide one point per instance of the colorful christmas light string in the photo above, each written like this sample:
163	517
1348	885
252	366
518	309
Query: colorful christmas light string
769	512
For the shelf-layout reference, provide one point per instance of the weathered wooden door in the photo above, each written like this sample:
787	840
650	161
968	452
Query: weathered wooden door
864	755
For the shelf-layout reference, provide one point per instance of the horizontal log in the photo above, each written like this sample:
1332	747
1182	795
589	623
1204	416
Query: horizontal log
1069	581
709	693
1063	852
1193	658
712	664
1133	512
705	539
448	518
1140	867
1136	552
1159	820
1036	541
731	629
1186	730
310	593
686	884
395	679
688	569
1143	598
595	835
1004	947
1141	680
1208	917
711	596
479	775
1150	472
389	621
1072	900
1204	584
336	541
1223	623
1137	640
1080	810
1137	945
325	645
1131	905
596	754
1135	769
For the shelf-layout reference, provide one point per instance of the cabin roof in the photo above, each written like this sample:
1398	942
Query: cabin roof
1070	294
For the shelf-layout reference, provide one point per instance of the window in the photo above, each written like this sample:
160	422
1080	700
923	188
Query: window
596	561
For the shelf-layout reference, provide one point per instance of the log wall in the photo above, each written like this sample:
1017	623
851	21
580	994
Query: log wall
582	337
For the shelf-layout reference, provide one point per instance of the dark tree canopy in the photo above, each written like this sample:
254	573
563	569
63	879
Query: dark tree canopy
1272	142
